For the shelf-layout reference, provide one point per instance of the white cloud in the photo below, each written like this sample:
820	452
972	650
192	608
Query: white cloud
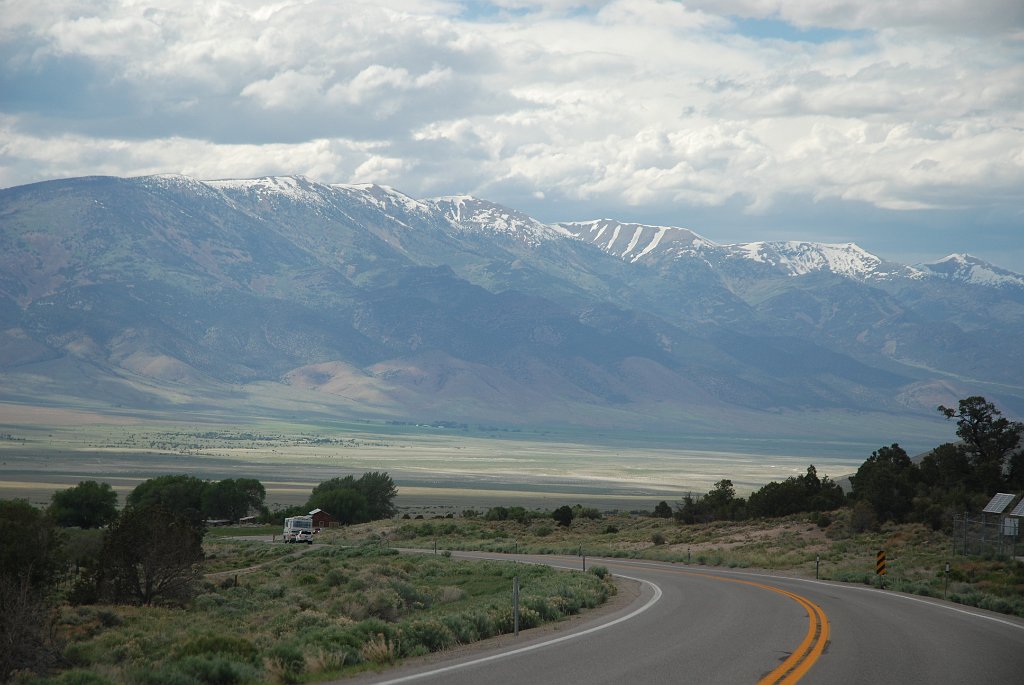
638	103
949	15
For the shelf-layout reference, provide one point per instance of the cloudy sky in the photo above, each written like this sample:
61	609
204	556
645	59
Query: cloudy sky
896	124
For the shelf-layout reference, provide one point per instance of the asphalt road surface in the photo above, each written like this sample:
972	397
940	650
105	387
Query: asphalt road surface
696	625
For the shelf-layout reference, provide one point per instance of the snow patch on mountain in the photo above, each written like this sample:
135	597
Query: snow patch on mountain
795	258
969	269
786	258
385	198
472	215
295	188
644	240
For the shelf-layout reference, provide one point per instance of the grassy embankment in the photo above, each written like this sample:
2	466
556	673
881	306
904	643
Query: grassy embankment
276	614
916	555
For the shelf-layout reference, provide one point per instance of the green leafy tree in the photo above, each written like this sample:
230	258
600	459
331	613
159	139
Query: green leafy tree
887	482
989	438
496	514
821	494
796	494
563	515
182	495
662	510
233	498
721	502
150	554
346	505
380	491
29	568
518	514
376	487
29	545
87	505
947	469
690	510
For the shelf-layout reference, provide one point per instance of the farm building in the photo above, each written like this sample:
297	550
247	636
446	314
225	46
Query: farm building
321	519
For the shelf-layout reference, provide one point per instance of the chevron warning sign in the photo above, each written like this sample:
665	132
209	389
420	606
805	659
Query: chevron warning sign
880	563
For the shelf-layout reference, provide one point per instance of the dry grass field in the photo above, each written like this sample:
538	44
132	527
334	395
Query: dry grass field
437	470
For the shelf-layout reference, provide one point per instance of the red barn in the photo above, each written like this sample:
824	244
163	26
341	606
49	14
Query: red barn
321	519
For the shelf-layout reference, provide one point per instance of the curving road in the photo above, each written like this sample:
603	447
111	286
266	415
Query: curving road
720	626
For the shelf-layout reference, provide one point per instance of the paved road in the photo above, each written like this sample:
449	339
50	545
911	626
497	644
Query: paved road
696	625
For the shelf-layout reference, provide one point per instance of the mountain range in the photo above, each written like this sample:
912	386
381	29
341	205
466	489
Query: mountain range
283	295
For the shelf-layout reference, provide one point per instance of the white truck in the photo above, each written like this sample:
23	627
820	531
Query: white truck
298	529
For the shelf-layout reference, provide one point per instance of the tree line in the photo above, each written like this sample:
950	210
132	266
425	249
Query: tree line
889	485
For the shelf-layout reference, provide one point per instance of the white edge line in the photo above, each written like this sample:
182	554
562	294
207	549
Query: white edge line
833	584
502	655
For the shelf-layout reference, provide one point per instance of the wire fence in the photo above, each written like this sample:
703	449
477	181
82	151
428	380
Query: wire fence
987	535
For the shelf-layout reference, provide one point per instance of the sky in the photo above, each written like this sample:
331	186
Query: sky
894	124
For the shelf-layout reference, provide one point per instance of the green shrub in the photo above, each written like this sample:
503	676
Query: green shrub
226	645
599	571
385	604
286	662
462	627
335	577
217	669
165	674
432	634
80	677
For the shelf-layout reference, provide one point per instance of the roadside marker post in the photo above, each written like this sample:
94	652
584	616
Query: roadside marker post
817	563
515	605
880	568
945	585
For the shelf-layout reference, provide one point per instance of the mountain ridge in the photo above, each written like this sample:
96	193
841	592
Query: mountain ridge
456	306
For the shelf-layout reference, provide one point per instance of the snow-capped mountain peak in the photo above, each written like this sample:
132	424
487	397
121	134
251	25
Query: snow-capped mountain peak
294	188
797	258
634	242
969	269
473	215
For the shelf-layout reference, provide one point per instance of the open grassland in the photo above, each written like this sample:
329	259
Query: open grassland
798	545
273	614
439	469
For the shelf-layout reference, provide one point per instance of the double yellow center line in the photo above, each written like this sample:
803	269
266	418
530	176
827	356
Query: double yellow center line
806	654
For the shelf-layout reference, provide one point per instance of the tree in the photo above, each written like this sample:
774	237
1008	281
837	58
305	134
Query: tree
233	498
151	553
380	492
29	567
29	545
689	510
947	468
720	502
563	515
87	505
886	481
376	487
182	495
346	505
989	438
496	514
821	494
662	510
